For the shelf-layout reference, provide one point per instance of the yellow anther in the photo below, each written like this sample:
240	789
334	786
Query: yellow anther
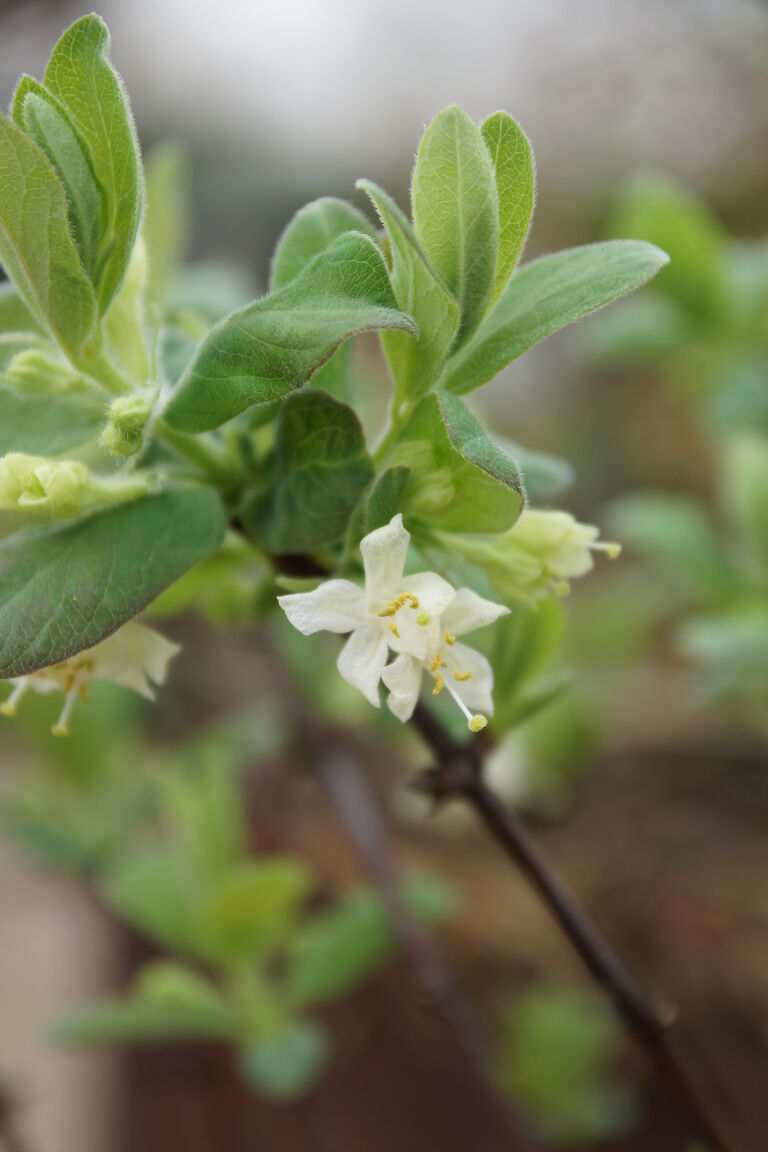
7	709
436	663
413	599
60	730
395	605
477	723
439	685
393	629
423	618
388	611
462	676
450	639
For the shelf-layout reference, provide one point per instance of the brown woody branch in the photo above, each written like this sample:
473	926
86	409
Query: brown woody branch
457	774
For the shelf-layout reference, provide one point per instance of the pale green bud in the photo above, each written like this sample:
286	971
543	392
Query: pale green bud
35	371
537	557
127	419
60	488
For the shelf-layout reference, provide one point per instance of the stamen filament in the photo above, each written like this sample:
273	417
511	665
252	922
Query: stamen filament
61	727
10	706
475	723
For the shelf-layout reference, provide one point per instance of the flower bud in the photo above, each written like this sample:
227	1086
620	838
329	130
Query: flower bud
537	557
59	488
35	371
124	432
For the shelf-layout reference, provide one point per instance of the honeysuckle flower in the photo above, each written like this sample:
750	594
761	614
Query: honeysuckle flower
134	657
418	617
61	488
537	557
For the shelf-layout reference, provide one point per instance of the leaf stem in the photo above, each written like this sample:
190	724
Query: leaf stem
458	774
203	451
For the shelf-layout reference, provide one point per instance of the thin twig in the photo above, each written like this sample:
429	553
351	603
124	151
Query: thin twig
458	774
358	810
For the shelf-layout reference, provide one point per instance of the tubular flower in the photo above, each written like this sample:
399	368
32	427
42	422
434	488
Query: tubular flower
134	657
538	556
417	617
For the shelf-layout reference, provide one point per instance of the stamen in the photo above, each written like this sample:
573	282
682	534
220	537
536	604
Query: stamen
423	619
450	639
61	727
475	723
462	676
439	685
393	629
10	706
395	605
436	663
611	549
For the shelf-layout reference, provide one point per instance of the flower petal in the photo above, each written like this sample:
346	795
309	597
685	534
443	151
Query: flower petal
434	593
384	551
469	611
403	678
362	660
477	691
336	606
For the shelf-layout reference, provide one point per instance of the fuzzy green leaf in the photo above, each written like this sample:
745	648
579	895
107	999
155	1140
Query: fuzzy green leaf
15	316
80	75
252	909
273	346
456	212
318	472
513	169
37	249
419	291
67	586
49	425
38	113
460	479
309	233
545	296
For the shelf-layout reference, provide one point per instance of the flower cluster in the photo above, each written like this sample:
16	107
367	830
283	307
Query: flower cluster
134	657
417	617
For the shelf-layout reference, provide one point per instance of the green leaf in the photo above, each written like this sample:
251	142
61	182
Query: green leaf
419	291
150	888
80	76
46	121
66	586
318	472
676	532
545	296
512	159
166	218
15	316
286	1065
167	1001
252	909
745	492
664	213
272	347
733	650
456	211
460	479
36	245
47	425
309	233
543	475
335	951
385	498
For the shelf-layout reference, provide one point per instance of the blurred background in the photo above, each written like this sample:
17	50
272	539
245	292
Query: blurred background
646	782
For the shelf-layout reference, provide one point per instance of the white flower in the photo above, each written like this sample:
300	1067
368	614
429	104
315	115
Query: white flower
418	617
132	657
